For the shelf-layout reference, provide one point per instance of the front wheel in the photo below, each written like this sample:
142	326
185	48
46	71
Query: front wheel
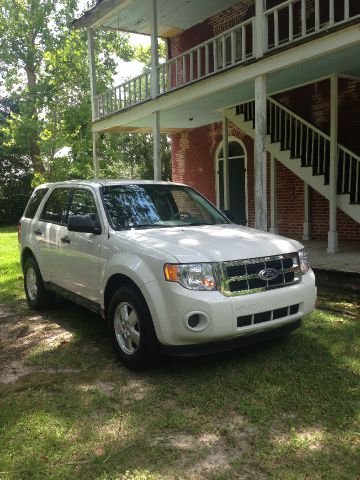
36	294
131	329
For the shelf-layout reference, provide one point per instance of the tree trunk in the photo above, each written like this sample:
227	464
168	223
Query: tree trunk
36	161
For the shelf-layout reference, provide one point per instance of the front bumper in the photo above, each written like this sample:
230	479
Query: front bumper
171	305
228	345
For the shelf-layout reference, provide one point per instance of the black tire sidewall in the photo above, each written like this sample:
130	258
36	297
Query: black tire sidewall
42	296
148	350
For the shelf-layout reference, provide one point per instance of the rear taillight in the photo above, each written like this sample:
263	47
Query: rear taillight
19	231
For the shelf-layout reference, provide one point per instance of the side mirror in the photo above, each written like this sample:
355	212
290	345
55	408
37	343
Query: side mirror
83	224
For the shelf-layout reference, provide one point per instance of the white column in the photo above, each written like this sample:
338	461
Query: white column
154	49
156	142
259	28
92	73
307	222
332	234
225	135
273	199
95	137
260	153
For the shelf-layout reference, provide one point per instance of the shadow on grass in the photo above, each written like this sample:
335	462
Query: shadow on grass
103	420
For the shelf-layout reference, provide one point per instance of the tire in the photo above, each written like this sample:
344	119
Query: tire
131	330
36	294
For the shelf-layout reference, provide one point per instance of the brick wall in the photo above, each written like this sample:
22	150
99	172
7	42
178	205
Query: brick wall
210	27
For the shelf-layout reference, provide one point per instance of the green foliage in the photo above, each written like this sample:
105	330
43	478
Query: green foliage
14	172
131	156
44	68
142	54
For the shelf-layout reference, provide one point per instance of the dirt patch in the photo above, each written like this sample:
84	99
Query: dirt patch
21	331
201	456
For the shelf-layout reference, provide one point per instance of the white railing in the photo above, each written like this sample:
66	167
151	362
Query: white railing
349	174
232	47
292	20
308	143
304	140
283	24
129	93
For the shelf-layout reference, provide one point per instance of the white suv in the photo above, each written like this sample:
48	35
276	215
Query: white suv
166	269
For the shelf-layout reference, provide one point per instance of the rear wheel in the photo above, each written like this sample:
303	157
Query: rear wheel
36	294
131	329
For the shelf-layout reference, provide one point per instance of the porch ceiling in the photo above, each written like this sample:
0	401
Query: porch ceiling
134	15
208	108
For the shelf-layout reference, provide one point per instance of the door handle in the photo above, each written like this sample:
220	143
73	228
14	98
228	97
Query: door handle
65	239
38	232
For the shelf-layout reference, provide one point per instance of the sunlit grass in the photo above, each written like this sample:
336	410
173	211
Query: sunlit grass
284	410
11	276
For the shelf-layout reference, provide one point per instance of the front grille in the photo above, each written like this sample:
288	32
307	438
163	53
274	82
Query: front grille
252	275
247	320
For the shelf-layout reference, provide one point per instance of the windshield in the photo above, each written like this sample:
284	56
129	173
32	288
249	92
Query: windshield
156	206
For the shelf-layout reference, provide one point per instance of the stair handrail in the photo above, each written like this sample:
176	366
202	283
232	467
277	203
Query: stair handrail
349	152
299	118
346	183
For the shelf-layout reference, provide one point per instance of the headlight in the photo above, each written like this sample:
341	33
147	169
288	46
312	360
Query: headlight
194	276
304	261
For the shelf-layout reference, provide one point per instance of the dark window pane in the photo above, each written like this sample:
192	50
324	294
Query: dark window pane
83	203
55	208
221	184
235	149
35	201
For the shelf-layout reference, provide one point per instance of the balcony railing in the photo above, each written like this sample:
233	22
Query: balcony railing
283	24
230	48
297	19
129	93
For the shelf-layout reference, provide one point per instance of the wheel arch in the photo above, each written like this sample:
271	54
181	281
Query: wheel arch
25	255
113	283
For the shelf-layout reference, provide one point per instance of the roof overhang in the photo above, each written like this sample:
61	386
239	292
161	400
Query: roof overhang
134	16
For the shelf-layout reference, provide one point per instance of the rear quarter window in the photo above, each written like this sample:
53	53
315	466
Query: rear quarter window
34	202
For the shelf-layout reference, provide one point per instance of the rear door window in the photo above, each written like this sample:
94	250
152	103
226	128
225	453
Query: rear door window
34	202
56	206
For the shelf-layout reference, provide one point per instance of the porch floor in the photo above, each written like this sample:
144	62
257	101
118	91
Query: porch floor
347	259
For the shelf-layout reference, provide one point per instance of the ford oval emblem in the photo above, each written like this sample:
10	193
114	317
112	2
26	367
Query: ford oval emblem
268	274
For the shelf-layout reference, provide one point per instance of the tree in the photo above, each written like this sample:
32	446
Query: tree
14	172
130	155
45	62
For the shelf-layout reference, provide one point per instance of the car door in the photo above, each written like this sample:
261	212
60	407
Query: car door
46	231
79	253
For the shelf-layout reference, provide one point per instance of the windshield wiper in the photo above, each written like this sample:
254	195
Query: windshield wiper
147	225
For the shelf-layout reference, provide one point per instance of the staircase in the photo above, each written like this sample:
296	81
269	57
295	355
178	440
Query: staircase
305	150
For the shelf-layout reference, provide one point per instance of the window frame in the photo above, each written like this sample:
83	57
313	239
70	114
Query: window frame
31	198
64	217
96	203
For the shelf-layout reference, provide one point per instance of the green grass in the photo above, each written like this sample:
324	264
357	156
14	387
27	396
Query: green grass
10	272
288	409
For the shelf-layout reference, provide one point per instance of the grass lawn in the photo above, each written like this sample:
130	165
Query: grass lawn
69	410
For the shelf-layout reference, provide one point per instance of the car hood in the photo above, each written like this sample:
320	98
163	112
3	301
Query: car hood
214	243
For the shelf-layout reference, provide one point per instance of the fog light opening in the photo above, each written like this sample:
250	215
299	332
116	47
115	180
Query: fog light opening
197	321
194	320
